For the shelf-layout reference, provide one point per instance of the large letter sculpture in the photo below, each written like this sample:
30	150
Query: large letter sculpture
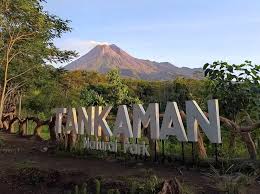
150	116
123	124
172	123
210	125
100	122
59	115
72	123
86	120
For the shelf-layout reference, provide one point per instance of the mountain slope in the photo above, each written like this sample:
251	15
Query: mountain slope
103	58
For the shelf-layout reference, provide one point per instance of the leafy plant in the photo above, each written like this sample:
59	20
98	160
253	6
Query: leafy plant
113	191
184	188
151	184
79	190
237	86
84	188
133	187
76	189
98	186
231	183
90	97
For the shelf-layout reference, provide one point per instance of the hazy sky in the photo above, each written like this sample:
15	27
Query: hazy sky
183	32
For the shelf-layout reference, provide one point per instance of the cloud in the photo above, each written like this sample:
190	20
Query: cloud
78	45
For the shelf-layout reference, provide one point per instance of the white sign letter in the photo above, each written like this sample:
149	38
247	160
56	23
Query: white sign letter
100	121
59	115
122	124
211	126
172	123
150	116
72	123
86	120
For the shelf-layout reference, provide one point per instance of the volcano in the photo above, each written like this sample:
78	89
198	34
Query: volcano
103	58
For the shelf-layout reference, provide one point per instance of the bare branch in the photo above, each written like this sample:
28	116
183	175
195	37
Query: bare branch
21	74
14	88
14	55
24	36
250	128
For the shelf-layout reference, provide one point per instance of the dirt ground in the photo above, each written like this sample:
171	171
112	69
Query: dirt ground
26	168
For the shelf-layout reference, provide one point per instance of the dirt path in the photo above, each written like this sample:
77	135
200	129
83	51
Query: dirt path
19	153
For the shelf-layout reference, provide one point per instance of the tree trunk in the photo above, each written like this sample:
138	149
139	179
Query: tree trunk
72	139
153	151
2	104
232	141
53	134
22	128
11	124
37	130
201	148
4	86
246	137
20	105
170	186
5	124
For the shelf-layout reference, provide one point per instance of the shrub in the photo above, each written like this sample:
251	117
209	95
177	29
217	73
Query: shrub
98	186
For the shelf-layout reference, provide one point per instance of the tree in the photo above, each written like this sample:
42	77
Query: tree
119	91
113	93
26	41
89	97
43	92
236	85
238	89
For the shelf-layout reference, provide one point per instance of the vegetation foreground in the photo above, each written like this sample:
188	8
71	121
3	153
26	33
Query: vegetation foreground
26	166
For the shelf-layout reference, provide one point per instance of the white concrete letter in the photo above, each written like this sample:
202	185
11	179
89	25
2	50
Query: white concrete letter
72	123
58	121
123	124
172	123
150	116
86	120
211	126
100	121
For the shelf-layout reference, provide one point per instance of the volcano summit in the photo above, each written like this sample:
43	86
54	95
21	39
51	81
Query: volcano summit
103	58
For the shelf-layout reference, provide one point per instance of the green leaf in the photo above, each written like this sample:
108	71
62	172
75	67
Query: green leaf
230	69
205	66
206	73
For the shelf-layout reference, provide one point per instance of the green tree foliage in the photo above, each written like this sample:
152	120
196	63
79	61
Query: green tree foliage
178	90
44	92
236	86
27	33
146	91
119	91
89	97
114	92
